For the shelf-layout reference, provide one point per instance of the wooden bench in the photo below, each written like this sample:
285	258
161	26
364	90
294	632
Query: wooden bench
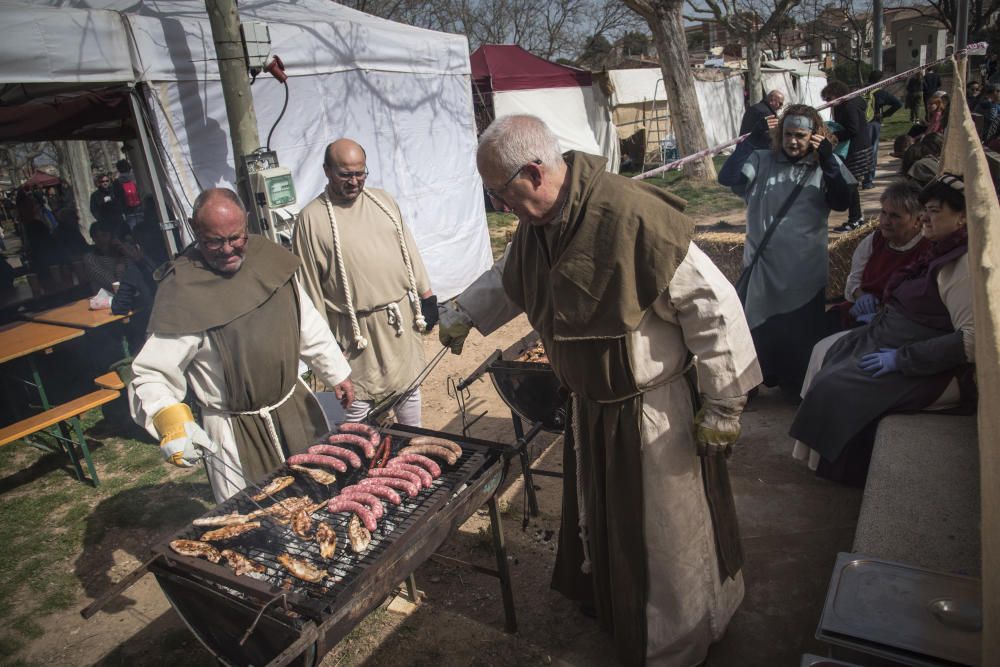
67	413
110	381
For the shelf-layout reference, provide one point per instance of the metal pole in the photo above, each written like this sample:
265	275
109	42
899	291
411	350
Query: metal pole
962	25
877	24
166	224
236	92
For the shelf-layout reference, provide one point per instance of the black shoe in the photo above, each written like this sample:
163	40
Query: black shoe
848	226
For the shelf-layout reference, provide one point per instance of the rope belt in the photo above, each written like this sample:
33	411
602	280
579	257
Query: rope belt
265	414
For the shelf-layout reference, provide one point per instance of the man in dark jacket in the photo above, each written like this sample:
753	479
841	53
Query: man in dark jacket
883	105
755	119
105	206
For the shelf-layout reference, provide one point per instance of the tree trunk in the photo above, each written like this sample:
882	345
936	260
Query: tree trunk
77	174
678	82
755	81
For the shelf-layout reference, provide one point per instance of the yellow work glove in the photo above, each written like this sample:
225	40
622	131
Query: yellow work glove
454	326
717	424
181	439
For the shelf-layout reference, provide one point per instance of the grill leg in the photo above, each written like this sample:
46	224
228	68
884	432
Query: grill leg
522	453
510	624
411	589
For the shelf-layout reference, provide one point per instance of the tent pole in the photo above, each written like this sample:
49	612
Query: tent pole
166	224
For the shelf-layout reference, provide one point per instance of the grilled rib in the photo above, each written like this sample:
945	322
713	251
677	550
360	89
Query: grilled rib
326	539
229	532
196	549
276	484
241	564
301	569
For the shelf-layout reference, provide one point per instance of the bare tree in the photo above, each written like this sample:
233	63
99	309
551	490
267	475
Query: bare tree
982	14
666	22
847	25
752	21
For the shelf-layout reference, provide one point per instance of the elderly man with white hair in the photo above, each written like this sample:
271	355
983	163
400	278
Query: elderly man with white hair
755	119
650	340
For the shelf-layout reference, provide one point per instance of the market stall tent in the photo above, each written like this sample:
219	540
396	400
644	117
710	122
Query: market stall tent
508	80
402	92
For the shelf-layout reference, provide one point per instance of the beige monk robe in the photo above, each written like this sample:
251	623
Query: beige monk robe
379	284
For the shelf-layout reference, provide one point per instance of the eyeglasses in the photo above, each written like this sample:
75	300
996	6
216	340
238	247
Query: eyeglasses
216	243
349	175
495	194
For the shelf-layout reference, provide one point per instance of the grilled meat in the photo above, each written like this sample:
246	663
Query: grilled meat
232	519
276	484
196	549
301	569
429	449
535	355
283	509
358	534
229	532
319	476
450	445
326	539
241	564
302	524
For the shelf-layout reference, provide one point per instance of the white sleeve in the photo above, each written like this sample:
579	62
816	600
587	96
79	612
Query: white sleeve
707	309
485	301
158	375
859	260
956	293
317	346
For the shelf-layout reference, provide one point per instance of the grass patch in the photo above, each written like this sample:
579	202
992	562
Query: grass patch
500	224
703	198
895	125
60	535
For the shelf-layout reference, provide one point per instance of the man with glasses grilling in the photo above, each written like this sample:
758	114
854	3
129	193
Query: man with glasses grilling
650	340
363	271
230	323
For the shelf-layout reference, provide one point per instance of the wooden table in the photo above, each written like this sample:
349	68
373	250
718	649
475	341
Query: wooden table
23	339
79	314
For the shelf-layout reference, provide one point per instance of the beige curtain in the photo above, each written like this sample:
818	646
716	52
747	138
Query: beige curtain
963	154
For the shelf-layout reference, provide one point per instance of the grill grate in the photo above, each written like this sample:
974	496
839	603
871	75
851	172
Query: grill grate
265	544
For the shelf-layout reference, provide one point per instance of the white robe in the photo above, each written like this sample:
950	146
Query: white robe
170	364
687	607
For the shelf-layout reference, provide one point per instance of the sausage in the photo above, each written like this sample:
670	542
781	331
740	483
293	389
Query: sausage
367	499
338	452
440	442
425	477
319	460
363	429
350	439
393	483
379	490
418	460
396	472
431	450
338	504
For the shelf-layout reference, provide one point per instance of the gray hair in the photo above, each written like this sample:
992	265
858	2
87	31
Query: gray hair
903	194
207	195
514	141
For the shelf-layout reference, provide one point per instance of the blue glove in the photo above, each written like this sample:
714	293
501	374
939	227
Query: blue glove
866	303
866	318
882	362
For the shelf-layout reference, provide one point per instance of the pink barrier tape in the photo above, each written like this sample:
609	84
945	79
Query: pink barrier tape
677	164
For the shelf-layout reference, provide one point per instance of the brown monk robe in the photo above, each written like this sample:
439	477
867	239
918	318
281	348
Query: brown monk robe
240	337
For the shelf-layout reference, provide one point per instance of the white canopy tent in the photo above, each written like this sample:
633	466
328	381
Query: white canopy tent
402	92
800	82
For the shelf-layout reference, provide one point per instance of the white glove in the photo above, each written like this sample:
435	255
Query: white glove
453	326
717	424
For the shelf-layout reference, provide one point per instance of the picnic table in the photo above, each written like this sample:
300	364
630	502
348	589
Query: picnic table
23	339
79	314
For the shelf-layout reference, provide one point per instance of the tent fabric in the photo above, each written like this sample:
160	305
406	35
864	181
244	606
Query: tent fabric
69	43
91	115
41	180
402	92
513	81
502	67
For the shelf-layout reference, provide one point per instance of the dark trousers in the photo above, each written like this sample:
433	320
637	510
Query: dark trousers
874	132
784	343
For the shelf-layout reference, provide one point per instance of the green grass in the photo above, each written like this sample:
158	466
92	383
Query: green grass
895	125
61	537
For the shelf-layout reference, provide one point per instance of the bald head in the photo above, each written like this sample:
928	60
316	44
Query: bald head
345	165
775	100
220	225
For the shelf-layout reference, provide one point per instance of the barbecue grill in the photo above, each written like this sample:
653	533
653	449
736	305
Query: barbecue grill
532	392
274	618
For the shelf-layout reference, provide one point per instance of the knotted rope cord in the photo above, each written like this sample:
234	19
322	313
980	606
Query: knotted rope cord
359	340
581	507
418	320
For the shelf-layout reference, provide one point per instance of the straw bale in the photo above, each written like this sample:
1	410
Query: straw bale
726	250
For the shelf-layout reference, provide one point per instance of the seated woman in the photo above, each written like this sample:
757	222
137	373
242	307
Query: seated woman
895	243
105	263
922	337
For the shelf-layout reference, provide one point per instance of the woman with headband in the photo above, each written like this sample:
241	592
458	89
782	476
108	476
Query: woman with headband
921	338
791	188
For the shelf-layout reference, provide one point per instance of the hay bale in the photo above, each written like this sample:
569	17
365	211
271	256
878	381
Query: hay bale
841	249
726	250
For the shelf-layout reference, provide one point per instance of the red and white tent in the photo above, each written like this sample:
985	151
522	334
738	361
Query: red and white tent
508	80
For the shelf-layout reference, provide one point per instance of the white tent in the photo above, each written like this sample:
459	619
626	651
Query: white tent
639	101
800	82
402	92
